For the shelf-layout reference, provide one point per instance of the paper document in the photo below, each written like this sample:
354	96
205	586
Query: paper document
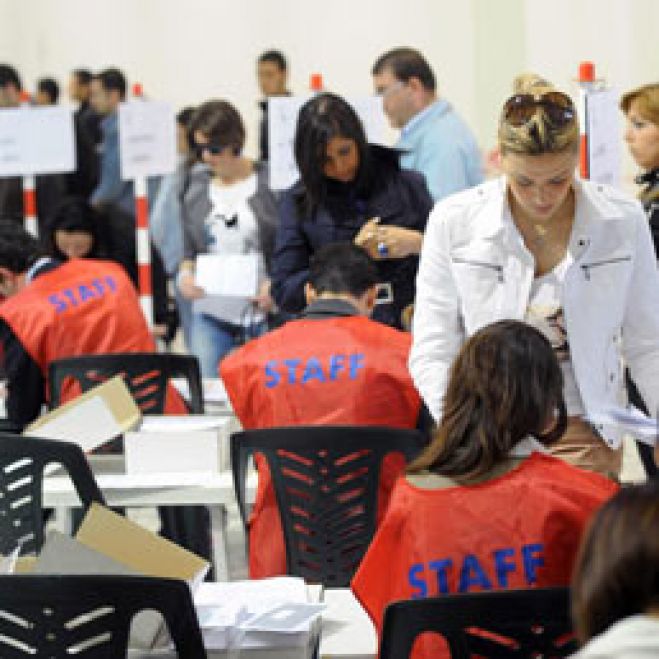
171	423
632	421
228	275
213	389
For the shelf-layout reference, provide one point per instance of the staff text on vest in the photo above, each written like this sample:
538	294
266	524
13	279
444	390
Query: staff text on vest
77	295
472	572
303	371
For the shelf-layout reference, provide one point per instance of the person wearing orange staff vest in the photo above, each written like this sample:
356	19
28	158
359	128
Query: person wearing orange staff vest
53	311
485	507
333	366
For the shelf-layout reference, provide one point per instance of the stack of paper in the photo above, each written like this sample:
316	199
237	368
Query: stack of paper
266	613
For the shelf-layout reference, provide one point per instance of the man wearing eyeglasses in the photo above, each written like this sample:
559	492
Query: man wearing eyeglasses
435	140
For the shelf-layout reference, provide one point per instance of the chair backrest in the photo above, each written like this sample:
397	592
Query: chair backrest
22	462
52	616
146	375
326	483
501	624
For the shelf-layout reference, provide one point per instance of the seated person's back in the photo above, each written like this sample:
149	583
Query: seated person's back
483	508
334	366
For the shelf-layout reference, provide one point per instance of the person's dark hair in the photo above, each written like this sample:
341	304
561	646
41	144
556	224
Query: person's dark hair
221	123
322	118
276	57
18	248
112	79
406	63
74	213
83	76
185	116
342	268
49	86
9	76
617	569
504	385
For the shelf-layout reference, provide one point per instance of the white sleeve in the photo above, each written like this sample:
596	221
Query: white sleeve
640	334
437	331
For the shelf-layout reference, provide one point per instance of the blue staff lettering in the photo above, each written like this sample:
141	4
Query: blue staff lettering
79	294
296	371
475	574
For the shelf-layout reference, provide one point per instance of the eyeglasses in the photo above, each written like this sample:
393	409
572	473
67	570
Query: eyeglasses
558	107
213	149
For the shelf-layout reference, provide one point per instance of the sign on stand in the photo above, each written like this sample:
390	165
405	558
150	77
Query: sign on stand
147	147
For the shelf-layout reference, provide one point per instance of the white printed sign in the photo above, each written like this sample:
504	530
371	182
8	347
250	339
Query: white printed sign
147	139
36	141
603	131
282	121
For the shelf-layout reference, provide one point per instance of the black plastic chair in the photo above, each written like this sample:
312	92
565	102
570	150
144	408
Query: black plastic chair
22	462
326	482
52	616
146	375
501	625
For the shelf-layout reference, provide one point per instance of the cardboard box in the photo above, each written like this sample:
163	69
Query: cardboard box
92	419
166	452
107	543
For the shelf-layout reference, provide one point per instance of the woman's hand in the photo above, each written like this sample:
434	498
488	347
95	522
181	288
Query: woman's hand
263	299
387	241
189	290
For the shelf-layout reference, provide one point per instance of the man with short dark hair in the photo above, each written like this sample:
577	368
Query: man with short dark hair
107	91
435	140
272	73
333	366
47	92
10	87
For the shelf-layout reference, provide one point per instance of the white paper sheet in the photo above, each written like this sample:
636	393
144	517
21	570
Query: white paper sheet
228	275
172	423
604	141
632	421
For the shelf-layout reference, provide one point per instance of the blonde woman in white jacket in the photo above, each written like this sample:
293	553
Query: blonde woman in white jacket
573	258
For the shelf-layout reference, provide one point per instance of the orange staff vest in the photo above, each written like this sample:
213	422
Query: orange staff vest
83	307
520	530
335	371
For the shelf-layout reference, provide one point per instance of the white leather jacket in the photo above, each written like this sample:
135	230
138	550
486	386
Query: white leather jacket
475	269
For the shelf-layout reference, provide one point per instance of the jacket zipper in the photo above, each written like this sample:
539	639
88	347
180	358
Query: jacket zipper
482	264
587	267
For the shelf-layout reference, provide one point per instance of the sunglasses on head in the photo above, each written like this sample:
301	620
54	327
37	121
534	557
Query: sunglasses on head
520	108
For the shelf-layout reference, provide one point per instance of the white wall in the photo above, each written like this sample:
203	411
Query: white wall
188	51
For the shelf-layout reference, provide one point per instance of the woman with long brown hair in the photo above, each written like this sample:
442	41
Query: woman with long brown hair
484	507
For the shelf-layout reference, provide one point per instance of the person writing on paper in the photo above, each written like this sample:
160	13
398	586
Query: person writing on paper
615	588
484	507
571	257
53	311
348	190
228	209
332	366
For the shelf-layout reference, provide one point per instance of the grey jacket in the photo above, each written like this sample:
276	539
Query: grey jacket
197	206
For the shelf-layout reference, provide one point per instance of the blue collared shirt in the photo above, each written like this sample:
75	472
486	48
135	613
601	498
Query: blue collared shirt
440	146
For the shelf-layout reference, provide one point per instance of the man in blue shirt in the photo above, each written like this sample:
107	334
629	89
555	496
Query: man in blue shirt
436	141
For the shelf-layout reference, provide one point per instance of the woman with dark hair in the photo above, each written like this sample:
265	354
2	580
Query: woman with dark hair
74	231
348	190
484	507
615	590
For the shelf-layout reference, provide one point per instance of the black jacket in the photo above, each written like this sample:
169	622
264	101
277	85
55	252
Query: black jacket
398	197
650	199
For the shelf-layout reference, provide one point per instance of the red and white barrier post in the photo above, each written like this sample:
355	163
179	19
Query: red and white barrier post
586	81
30	206
143	249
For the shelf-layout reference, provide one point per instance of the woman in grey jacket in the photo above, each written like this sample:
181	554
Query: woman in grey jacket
228	208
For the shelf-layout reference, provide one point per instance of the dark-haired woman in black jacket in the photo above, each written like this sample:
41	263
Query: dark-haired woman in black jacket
348	190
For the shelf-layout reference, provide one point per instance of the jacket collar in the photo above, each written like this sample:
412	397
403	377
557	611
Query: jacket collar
329	308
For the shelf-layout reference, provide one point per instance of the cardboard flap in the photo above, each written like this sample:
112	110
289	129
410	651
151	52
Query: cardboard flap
95	417
126	542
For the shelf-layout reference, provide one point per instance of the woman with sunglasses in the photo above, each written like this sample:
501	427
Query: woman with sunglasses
571	257
228	208
348	190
